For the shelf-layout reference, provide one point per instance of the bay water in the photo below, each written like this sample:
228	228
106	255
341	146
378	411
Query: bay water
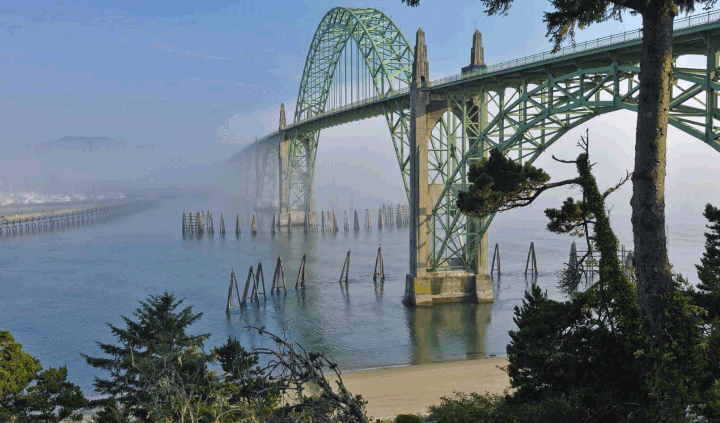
58	290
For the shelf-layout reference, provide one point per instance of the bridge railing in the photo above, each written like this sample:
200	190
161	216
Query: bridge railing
397	93
687	22
678	24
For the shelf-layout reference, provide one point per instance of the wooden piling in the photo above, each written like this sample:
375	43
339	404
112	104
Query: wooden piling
251	275
334	222
380	218
573	261
346	226
356	225
253	226
278	276
233	281
301	274
528	265
379	266
200	223
290	228
211	226
322	220
237	225
306	223
346	268
259	277
222	224
272	227
184	223
496	254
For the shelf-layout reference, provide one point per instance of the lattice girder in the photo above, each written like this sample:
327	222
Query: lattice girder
388	57
526	118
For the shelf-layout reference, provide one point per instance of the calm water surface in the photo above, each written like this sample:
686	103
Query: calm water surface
58	290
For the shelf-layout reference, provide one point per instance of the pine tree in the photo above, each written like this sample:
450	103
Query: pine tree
708	270
157	333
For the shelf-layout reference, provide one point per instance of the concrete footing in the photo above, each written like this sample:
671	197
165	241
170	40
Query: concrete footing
447	287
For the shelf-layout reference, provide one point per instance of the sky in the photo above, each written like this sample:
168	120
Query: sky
174	87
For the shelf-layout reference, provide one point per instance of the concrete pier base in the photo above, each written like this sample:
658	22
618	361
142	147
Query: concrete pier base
298	218
447	287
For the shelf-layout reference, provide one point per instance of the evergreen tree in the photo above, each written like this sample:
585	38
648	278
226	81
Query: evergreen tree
28	394
708	270
155	336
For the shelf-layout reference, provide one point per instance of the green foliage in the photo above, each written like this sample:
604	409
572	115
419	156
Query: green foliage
489	408
499	184
30	395
242	377
156	337
708	295
17	370
569	219
408	418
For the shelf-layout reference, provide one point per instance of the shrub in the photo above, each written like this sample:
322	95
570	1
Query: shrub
408	418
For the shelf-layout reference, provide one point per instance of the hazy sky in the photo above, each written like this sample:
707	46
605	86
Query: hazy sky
162	78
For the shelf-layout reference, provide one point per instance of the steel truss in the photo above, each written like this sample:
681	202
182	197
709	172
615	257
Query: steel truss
387	58
528	111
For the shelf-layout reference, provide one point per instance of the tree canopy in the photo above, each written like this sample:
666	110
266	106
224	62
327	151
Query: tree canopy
28	394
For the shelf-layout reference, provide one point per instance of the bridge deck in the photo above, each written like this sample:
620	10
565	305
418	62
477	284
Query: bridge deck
688	39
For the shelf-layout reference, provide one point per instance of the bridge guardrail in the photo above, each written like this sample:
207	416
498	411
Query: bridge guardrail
687	22
683	23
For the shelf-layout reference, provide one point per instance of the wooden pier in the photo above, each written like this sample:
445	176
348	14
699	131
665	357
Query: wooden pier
22	224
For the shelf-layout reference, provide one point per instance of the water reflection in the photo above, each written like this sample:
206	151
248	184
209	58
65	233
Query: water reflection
447	332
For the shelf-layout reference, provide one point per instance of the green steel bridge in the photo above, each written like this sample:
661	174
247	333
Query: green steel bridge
360	65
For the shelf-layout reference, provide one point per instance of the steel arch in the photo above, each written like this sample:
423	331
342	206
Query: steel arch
388	57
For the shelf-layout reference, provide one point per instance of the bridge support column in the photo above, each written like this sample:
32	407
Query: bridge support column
427	284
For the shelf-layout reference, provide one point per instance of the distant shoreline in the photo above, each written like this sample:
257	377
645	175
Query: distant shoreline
22	211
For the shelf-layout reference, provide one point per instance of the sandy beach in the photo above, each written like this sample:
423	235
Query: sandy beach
411	389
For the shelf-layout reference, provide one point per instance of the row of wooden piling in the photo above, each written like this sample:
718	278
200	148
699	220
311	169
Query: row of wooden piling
53	221
627	261
530	263
256	280
201	222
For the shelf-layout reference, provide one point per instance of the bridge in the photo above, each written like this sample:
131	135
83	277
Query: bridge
360	65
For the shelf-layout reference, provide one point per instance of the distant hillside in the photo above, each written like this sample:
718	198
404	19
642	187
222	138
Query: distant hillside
72	142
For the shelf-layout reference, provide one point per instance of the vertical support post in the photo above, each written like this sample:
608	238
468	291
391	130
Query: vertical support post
496	254
346	268
237	225
301	274
250	276
531	265
272	226
222	224
379	266
253	226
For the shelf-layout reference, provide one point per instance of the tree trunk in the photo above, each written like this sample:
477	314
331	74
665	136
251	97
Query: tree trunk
652	268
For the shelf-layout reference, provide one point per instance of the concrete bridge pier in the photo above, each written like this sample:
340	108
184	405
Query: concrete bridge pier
284	179
428	284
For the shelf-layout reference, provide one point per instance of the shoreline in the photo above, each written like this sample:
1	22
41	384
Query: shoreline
413	388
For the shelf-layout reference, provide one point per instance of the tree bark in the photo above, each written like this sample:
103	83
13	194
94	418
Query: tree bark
654	278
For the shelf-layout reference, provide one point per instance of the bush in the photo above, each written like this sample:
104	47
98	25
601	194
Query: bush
408	418
493	408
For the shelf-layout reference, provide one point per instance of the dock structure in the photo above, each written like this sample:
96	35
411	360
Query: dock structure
22	224
389	216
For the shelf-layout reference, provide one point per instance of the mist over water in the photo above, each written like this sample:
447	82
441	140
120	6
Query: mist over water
59	289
